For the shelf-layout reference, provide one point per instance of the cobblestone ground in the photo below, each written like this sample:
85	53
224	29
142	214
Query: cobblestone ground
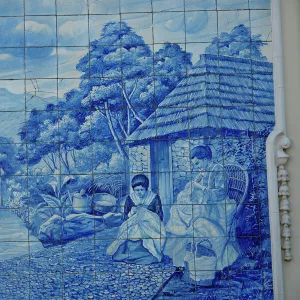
79	270
232	284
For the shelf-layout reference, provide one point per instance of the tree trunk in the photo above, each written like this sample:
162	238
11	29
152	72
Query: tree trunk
112	130
122	127
64	163
130	106
128	122
67	161
53	159
73	155
48	165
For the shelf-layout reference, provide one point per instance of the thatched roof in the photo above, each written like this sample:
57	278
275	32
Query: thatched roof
219	95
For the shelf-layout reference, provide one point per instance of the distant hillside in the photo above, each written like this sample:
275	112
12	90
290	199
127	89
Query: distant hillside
12	111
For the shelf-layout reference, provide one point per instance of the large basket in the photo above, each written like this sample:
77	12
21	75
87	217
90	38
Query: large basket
200	265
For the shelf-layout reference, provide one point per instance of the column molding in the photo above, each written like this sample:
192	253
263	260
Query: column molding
277	143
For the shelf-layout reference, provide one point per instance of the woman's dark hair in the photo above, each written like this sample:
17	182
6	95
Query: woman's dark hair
140	180
201	152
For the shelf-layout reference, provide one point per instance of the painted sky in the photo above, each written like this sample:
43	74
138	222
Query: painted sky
54	44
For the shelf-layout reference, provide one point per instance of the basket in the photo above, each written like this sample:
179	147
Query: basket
104	203
200	264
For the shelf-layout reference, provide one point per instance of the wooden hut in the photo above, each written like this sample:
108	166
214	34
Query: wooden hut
221	97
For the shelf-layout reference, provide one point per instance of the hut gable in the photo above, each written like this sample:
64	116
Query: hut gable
219	94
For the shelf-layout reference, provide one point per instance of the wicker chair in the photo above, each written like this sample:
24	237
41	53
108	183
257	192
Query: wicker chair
201	253
237	189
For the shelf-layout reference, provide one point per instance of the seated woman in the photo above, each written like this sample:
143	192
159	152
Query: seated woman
201	212
140	238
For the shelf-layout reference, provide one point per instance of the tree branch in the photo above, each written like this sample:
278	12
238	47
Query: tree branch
64	163
112	130
134	89
130	106
122	127
128	122
45	161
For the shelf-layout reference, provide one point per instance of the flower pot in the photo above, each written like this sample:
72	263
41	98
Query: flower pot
81	203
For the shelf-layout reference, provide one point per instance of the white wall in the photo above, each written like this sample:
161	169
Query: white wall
290	13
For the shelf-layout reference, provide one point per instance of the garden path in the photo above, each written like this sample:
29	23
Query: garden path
15	238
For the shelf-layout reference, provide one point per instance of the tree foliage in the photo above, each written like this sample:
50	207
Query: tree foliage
238	43
121	84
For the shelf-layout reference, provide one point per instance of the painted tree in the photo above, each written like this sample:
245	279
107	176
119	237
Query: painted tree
237	43
8	163
123	81
40	133
119	61
171	65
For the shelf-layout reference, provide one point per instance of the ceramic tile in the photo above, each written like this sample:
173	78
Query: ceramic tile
236	21
141	23
96	21
52	285
44	118
72	283
8	287
252	282
72	7
18	267
11	221
15	8
10	199
40	92
200	5
108	289
128	6
196	49
176	5
261	24
132	152
72	31
243	150
41	263
37	27
19	103
10	121
13	67
48	57
259	4
83	264
104	7
12	31
171	24
231	5
39	7
64	85
202	31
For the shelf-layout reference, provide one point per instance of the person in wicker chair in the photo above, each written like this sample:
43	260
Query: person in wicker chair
200	220
139	240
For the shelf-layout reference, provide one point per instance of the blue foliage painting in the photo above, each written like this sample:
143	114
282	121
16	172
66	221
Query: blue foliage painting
132	149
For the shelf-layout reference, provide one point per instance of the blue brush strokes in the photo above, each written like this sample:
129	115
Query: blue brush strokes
72	7
39	7
15	8
135	6
232	4
70	149
199	5
259	4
